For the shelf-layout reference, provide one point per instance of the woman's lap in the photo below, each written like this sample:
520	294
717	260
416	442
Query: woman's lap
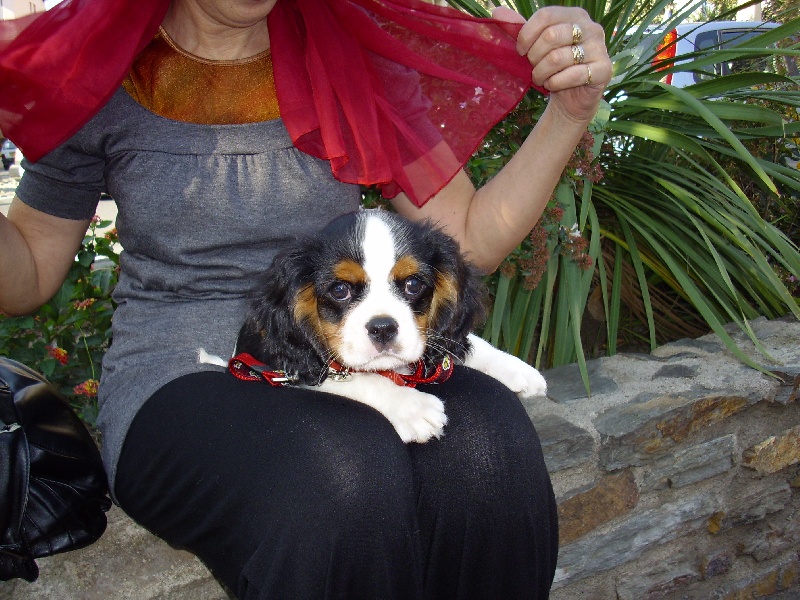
293	493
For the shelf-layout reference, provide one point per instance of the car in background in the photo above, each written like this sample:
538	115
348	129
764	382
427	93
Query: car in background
687	38
16	170
7	153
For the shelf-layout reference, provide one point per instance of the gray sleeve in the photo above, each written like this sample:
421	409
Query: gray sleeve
66	182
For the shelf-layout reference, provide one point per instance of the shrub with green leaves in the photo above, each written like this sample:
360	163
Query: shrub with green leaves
675	228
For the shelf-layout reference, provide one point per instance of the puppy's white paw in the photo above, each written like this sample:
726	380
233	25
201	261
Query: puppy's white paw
417	416
519	376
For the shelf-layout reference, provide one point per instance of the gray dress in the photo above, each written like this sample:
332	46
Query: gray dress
202	209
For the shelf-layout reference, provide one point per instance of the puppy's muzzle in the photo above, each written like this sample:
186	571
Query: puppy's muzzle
382	331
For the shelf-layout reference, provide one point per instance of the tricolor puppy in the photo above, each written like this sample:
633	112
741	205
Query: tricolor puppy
366	309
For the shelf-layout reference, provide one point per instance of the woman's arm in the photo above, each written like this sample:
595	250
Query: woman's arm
490	222
36	253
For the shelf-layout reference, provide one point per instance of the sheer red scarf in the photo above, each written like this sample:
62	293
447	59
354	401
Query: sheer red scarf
394	93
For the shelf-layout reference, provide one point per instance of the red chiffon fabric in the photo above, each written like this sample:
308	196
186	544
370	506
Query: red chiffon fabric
59	67
394	93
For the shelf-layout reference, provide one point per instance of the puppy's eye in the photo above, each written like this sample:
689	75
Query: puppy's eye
413	287
340	291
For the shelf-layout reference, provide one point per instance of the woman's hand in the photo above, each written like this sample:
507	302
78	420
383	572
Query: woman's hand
568	55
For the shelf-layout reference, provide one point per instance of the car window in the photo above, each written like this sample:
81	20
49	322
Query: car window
722	38
792	66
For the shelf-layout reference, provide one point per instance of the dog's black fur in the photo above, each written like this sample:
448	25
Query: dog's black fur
272	335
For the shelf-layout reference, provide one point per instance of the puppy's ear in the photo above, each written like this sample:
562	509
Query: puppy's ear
461	304
271	333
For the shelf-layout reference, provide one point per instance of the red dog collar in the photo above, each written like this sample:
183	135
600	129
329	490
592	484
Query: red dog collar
440	374
243	366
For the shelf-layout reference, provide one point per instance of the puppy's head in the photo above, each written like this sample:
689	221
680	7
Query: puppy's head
372	291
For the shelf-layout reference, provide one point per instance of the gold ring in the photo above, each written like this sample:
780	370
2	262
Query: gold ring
578	55
577	35
588	75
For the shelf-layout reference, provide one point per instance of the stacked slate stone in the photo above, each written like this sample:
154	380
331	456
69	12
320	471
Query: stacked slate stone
677	477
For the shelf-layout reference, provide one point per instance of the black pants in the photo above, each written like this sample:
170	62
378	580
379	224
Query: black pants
294	494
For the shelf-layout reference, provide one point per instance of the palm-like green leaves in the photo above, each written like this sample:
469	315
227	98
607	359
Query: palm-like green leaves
670	219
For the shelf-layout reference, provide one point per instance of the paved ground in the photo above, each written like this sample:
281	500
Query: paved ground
7	186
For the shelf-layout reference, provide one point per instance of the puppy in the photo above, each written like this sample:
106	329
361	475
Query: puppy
367	309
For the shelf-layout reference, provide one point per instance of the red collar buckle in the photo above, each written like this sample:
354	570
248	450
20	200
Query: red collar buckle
440	374
243	366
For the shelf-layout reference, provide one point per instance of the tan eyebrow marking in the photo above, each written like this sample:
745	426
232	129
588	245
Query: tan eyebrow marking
350	271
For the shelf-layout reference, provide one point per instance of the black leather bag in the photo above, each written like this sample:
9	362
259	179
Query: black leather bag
53	488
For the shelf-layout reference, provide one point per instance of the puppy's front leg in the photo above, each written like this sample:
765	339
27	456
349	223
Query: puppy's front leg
415	415
518	375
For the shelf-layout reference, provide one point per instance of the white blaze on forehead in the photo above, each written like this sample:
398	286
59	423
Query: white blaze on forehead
379	250
356	349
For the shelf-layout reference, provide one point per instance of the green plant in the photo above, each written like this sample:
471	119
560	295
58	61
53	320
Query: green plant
66	338
667	210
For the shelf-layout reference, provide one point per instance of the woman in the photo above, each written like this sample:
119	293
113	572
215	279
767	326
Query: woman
293	493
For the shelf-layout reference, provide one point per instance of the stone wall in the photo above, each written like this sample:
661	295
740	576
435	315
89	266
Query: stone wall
676	478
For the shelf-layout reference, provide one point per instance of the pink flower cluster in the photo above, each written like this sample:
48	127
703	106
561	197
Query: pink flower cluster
87	388
84	304
59	354
569	243
583	163
574	246
535	266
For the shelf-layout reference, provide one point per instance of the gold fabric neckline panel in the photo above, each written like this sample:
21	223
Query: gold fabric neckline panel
178	85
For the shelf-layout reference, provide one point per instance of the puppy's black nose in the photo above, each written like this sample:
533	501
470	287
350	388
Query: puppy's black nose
382	330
